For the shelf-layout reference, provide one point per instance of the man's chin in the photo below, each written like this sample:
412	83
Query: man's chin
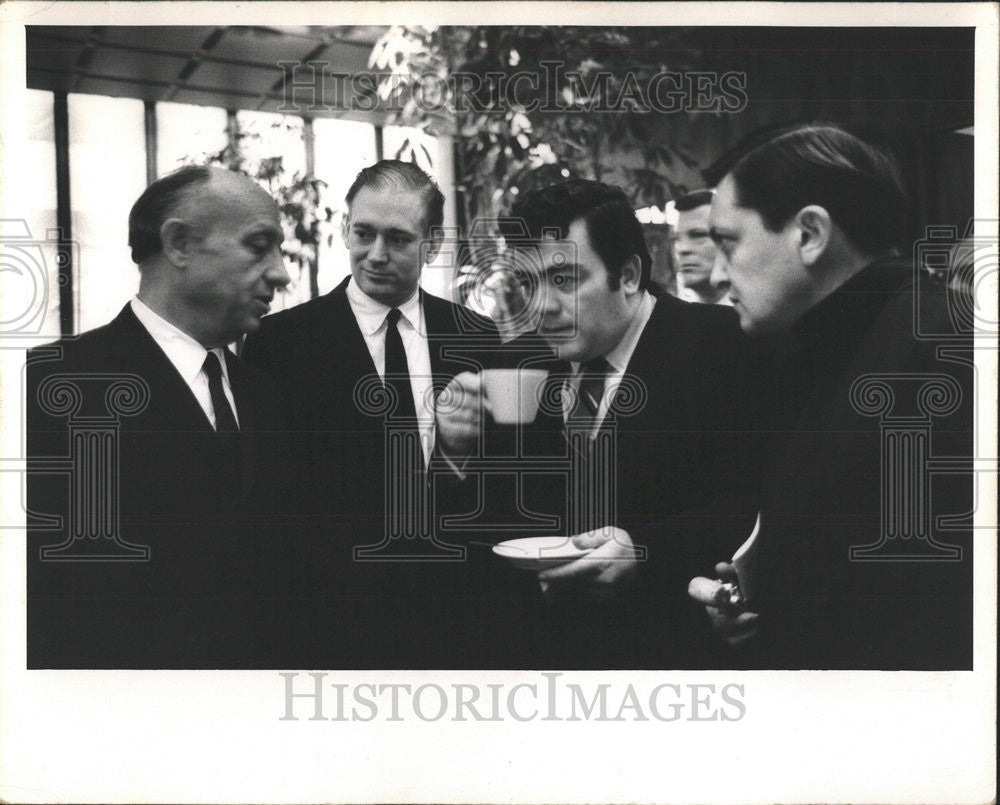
565	350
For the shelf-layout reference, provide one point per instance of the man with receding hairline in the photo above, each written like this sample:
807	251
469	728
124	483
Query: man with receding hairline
197	463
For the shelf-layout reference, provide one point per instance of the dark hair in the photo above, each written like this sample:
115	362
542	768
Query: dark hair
693	200
858	184
396	173
156	204
614	231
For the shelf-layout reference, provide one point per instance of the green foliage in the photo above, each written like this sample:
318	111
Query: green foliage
304	218
577	110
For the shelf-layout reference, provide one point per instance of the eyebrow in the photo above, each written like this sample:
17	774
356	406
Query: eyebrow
389	231
552	268
270	230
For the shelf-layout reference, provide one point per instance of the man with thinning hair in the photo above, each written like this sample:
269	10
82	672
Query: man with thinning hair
192	461
856	566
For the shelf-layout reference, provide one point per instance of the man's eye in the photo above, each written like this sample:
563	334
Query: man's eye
563	280
401	241
362	234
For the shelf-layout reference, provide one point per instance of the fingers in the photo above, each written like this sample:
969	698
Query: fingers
464	391
709	592
593	539
736	630
578	570
602	573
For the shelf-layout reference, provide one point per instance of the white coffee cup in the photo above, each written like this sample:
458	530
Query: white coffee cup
513	394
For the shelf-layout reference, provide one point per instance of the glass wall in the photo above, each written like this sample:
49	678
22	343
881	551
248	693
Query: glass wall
343	148
107	160
31	273
186	134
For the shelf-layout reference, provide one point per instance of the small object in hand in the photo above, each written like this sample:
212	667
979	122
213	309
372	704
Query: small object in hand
733	593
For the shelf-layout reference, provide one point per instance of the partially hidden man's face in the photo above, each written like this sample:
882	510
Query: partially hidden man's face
694	251
770	286
385	238
236	262
579	315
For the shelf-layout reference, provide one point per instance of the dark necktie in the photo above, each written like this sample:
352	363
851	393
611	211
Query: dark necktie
590	391
397	372
225	422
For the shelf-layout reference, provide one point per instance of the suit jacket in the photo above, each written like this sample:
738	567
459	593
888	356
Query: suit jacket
683	470
184	580
830	491
366	612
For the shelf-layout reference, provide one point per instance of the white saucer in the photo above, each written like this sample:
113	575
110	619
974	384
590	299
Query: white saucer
536	553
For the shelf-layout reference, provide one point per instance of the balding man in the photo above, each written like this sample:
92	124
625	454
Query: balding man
178	580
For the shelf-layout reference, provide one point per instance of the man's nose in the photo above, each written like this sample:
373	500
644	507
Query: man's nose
377	252
276	274
720	276
546	301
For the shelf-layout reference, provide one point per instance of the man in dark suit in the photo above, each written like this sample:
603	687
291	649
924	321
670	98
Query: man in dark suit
157	447
645	407
380	582
856	564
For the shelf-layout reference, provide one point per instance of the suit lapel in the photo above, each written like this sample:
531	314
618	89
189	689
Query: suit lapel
350	355
648	366
446	339
250	422
169	395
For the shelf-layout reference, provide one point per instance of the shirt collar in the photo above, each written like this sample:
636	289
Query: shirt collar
619	355
371	313
186	354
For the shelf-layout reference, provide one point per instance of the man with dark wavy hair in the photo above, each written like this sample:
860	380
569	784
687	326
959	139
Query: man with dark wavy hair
852	570
631	366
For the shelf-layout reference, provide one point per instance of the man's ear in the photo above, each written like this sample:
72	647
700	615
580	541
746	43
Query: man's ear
814	230
430	247
177	237
631	274
345	228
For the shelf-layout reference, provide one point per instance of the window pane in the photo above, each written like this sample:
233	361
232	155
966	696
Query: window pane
343	148
30	307
273	149
187	134
412	145
107	174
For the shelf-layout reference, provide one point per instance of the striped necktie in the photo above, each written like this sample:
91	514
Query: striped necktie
593	373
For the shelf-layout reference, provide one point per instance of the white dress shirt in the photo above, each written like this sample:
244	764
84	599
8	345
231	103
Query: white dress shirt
618	358
187	356
370	315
